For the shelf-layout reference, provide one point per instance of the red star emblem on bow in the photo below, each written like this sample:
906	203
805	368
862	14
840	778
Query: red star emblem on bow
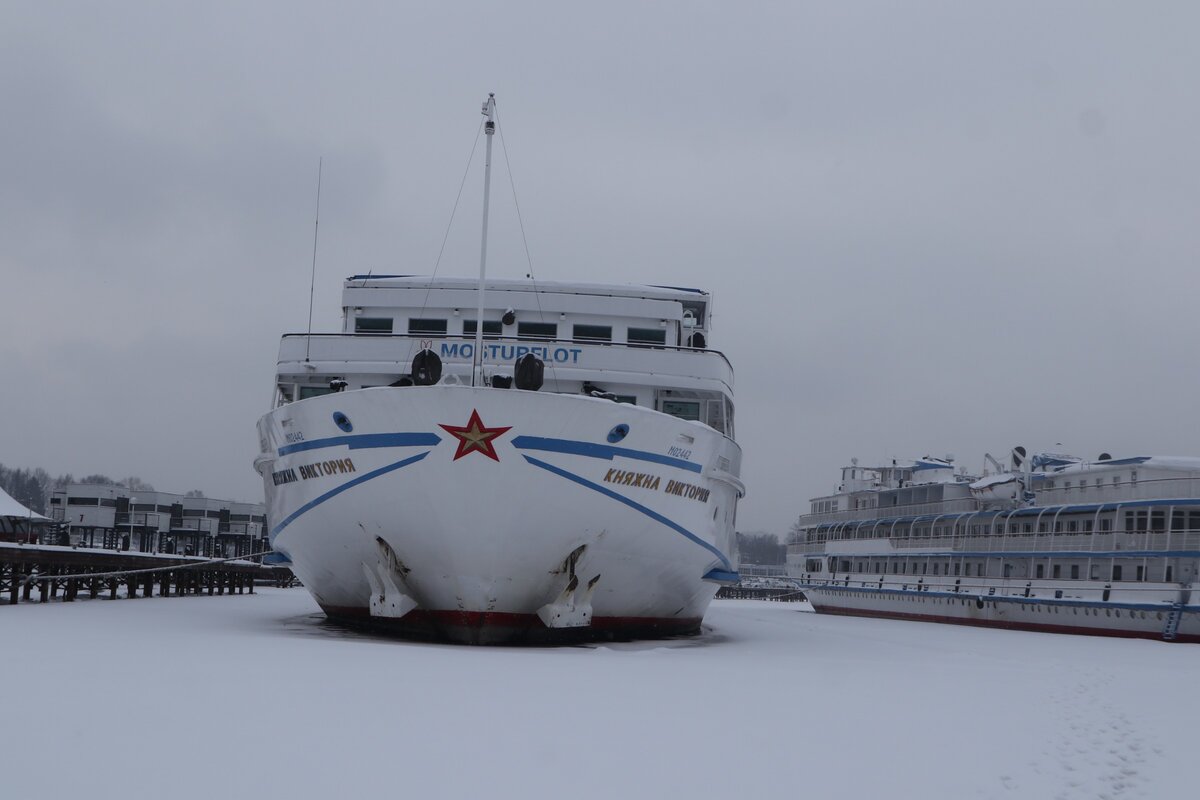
474	437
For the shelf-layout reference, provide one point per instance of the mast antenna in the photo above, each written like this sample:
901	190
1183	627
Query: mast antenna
313	282
489	128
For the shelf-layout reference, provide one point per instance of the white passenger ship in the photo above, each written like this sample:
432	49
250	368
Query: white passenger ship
565	470
1052	543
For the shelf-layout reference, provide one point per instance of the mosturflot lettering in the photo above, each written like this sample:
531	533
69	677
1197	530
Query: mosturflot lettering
508	352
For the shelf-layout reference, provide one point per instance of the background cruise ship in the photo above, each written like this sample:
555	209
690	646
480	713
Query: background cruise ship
1053	543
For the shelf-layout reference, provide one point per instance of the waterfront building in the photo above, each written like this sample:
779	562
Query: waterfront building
100	515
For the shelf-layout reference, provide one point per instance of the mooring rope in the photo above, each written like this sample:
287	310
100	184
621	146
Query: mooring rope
36	576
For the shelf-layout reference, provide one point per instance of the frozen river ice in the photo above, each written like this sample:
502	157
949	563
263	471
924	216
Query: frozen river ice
229	697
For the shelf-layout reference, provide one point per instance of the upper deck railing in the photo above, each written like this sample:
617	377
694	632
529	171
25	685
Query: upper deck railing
360	353
1126	491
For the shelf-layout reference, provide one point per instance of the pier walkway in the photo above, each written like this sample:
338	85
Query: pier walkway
50	572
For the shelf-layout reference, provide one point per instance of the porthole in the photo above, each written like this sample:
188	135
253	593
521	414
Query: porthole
618	433
342	421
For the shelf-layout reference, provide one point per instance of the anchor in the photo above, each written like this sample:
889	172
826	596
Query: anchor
387	598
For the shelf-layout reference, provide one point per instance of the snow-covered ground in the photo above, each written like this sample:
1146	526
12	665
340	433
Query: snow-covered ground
255	696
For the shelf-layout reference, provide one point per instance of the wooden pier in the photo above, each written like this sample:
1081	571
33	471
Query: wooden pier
782	595
55	572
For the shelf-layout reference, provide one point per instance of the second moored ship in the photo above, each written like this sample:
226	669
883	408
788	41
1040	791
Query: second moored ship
1051	543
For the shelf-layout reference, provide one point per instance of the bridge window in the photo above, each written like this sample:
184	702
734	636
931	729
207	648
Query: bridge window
427	327
373	324
592	333
492	328
647	337
684	409
537	330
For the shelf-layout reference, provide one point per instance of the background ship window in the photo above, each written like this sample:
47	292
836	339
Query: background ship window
537	330
492	328
684	409
372	324
647	337
436	327
592	333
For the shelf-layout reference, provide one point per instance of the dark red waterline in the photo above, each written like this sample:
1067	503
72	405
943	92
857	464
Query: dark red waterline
1016	626
496	627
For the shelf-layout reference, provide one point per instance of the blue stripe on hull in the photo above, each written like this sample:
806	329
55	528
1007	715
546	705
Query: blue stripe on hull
365	440
311	504
593	450
654	515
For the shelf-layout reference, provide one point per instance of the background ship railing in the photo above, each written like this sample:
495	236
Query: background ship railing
1097	541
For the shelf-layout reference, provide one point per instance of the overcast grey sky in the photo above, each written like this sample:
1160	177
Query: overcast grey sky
929	227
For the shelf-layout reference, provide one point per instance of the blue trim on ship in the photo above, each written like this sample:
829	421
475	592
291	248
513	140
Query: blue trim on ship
593	450
365	440
722	576
311	504
654	515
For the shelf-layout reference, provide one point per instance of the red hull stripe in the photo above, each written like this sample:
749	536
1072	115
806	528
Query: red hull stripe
1016	626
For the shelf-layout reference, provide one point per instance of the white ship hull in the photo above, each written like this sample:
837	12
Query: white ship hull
556	524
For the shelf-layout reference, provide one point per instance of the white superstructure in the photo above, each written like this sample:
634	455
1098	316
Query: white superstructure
1054	543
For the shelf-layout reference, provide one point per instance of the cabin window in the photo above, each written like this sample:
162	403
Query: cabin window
1074	572
1117	572
1141	573
630	399
592	333
1158	521
1167	577
1133	476
1056	571
373	324
684	409
1095	572
492	328
1008	570
647	337
1040	571
313	391
1087	526
427	327
1072	526
537	330
83	501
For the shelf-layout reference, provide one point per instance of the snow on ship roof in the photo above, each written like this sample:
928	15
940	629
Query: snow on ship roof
525	285
1180	463
993	480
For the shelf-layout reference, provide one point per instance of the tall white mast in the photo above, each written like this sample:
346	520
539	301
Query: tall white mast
489	127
